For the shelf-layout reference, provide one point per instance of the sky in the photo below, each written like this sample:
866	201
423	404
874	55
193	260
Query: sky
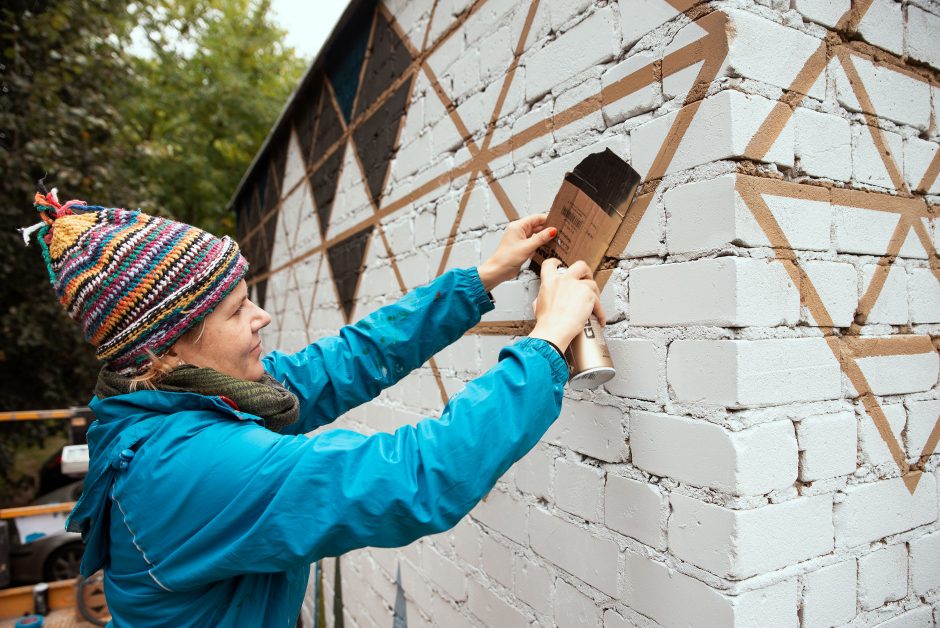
308	22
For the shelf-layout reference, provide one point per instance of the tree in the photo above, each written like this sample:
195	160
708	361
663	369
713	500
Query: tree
213	87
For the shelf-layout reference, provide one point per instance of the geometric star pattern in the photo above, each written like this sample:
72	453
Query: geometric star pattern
362	106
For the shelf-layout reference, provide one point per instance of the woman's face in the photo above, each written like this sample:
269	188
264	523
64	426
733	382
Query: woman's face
230	340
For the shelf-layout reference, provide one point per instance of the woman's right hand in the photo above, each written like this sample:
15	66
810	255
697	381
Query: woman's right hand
565	302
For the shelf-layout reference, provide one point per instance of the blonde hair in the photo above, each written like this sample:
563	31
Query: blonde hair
161	365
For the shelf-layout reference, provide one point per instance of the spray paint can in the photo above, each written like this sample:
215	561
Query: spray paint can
589	363
588	358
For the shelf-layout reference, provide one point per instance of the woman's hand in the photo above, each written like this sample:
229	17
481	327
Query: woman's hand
564	303
520	240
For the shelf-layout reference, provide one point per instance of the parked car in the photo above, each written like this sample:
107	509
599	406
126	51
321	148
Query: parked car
51	555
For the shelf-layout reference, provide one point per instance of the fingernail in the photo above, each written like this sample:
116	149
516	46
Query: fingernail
552	232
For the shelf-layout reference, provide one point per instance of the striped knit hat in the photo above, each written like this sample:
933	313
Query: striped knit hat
135	283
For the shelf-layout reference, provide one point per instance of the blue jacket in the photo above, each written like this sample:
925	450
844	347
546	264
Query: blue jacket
202	517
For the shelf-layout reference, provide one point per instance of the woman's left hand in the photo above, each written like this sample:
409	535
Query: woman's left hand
520	240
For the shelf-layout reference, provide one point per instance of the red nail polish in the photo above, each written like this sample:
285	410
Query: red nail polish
552	232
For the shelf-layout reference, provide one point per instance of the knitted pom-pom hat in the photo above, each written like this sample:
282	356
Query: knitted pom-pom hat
134	282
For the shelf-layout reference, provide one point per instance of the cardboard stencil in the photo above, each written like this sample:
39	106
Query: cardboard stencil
587	211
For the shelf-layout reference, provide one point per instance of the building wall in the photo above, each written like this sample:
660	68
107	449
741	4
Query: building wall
766	454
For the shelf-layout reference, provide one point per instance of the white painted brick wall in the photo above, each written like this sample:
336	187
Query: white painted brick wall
882	576
823	144
579	489
636	509
925	563
828	445
829	595
738	544
868	512
592	559
674	599
921	40
750	462
590	429
640	366
729	475
727	291
741	373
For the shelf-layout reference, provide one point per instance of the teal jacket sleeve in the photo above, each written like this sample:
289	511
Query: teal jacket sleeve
341	372
295	499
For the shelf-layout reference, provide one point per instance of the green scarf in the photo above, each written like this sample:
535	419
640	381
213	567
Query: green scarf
267	398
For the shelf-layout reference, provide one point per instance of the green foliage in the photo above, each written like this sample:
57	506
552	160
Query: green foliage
217	80
171	133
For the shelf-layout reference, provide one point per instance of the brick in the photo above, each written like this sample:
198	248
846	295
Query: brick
837	286
497	561
415	584
900	374
916	618
493	610
672	598
893	95
867	164
521	153
584	46
823	144
721	129
613	294
872	447
882	577
869	512
587	91
513	302
883	26
922	417
566	10
925	563
444	614
865	231
642	16
573	608
727	291
825	12
918	155
467	541
582	554
742	373
533	474
533	585
710	214
636	102
678	83
829	595
924	291
737	544
503	513
750	462
636	509
579	489
444	574
828	444
750	56
922	29
640	366
591	429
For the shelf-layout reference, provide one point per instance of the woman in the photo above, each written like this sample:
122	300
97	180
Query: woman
205	503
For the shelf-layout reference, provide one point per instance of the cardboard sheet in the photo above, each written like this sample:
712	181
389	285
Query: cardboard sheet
590	206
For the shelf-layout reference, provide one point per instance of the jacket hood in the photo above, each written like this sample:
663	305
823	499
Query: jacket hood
122	423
